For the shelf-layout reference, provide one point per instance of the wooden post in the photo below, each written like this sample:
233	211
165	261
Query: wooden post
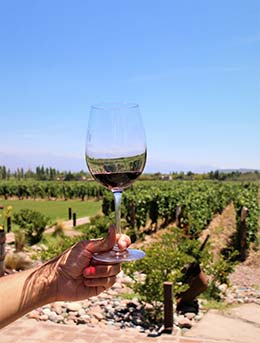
2	251
69	213
74	219
168	307
242	234
9	224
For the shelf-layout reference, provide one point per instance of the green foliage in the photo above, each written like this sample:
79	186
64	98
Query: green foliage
164	261
168	260
23	189
155	203
32	223
56	245
219	274
248	197
97	228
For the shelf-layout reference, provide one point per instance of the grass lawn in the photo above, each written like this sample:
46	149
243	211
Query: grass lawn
56	209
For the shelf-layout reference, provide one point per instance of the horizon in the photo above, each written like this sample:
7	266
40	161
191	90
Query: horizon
192	67
146	170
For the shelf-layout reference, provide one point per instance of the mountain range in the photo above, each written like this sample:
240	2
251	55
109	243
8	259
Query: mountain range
77	163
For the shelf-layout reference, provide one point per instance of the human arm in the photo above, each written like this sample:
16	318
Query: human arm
68	277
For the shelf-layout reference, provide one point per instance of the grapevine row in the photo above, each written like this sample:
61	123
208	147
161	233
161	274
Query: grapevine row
193	204
50	189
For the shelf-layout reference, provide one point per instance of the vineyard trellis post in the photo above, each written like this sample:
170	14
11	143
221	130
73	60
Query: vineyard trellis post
242	232
9	223
74	219
2	251
69	213
168	307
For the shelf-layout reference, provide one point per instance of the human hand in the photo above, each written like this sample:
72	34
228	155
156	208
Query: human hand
77	276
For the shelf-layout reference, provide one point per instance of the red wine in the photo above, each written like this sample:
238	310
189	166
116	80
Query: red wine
116	173
117	181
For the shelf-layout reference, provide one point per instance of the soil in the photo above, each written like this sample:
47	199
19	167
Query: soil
246	274
221	229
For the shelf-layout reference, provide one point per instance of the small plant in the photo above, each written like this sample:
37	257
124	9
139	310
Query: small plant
219	274
98	227
7	212
55	246
59	229
20	240
17	261
33	224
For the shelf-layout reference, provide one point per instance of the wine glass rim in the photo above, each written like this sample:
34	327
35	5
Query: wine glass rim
114	105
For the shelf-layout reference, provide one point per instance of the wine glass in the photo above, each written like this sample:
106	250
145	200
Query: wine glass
116	156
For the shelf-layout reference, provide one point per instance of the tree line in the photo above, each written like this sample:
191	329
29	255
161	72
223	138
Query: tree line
41	173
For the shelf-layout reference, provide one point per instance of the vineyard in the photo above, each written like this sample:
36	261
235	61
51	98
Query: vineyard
50	190
150	205
180	210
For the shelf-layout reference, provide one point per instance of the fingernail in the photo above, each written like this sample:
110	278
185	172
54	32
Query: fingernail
91	270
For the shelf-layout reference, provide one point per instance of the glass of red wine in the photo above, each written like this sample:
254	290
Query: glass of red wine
116	156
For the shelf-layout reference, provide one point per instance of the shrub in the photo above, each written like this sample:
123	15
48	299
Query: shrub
33	223
219	274
55	246
17	261
168	260
164	261
20	240
98	227
59	228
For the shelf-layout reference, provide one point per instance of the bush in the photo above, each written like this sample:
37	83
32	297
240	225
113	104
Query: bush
59	228
168	260
97	228
56	246
164	261
32	222
20	240
18	261
219	274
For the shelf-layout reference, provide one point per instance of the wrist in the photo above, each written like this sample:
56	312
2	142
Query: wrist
40	286
48	285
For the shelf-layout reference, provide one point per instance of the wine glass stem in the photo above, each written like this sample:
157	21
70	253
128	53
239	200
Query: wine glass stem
117	199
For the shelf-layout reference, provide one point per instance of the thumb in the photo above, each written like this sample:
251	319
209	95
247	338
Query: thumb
104	244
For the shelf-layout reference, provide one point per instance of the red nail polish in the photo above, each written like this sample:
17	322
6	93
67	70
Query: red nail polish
91	270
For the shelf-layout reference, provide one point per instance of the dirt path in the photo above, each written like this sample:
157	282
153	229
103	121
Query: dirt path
69	230
220	230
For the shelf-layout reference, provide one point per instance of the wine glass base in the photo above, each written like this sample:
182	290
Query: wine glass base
119	256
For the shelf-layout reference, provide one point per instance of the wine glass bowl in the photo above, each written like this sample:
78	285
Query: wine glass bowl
116	156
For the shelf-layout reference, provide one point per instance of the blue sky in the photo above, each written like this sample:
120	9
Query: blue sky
193	67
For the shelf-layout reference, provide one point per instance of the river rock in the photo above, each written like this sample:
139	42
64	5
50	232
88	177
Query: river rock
184	323
43	317
34	315
73	306
98	315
